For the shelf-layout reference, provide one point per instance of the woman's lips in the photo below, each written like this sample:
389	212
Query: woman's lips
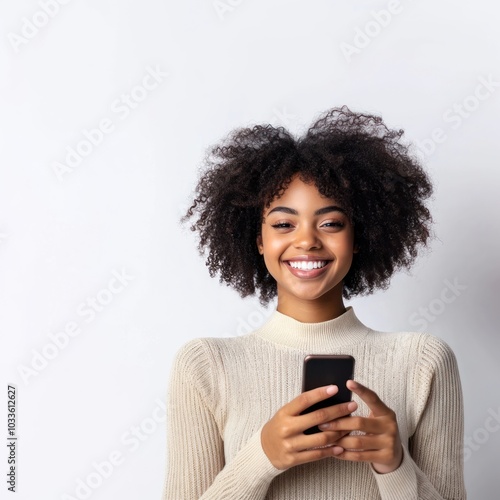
308	273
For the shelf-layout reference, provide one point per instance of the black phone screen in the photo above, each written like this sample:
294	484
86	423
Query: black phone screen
321	370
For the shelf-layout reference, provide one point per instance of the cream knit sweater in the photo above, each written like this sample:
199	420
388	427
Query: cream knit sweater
223	390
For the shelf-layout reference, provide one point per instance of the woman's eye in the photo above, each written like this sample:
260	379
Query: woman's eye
289	225
333	224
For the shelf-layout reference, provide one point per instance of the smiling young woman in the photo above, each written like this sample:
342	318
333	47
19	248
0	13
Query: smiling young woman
313	221
307	242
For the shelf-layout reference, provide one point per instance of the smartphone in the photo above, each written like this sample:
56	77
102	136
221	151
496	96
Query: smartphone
326	369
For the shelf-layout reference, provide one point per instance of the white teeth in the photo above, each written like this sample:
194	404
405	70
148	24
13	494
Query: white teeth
307	265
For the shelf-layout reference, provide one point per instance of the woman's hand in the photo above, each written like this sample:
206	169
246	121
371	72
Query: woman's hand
380	444
283	439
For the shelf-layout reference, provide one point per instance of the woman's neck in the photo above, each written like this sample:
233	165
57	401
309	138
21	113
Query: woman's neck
312	311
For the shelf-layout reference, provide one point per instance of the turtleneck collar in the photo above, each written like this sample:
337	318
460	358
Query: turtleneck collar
316	338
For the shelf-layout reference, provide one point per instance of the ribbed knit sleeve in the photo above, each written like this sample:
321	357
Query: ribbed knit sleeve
432	467
196	467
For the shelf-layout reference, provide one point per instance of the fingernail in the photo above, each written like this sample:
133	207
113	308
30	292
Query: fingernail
331	389
352	406
337	450
324	426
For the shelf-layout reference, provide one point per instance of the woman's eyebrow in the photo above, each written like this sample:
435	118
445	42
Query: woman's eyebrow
321	211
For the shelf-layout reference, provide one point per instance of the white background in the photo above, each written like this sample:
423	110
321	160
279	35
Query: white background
229	63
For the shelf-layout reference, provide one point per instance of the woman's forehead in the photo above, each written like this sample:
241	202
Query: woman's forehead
300	192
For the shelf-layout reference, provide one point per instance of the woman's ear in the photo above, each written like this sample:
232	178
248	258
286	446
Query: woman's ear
355	249
260	246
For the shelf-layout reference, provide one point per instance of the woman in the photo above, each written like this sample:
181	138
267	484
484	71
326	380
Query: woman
313	221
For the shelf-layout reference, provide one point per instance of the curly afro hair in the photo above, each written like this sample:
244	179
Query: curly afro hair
350	157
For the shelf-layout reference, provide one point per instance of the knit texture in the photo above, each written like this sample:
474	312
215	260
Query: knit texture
223	390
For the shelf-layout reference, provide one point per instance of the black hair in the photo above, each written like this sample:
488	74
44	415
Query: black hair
350	157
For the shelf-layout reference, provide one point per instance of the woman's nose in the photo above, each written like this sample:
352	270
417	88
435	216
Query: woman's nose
307	239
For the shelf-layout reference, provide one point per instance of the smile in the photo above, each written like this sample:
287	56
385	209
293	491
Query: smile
308	269
307	265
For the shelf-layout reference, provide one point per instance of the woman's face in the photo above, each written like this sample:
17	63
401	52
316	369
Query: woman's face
307	242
